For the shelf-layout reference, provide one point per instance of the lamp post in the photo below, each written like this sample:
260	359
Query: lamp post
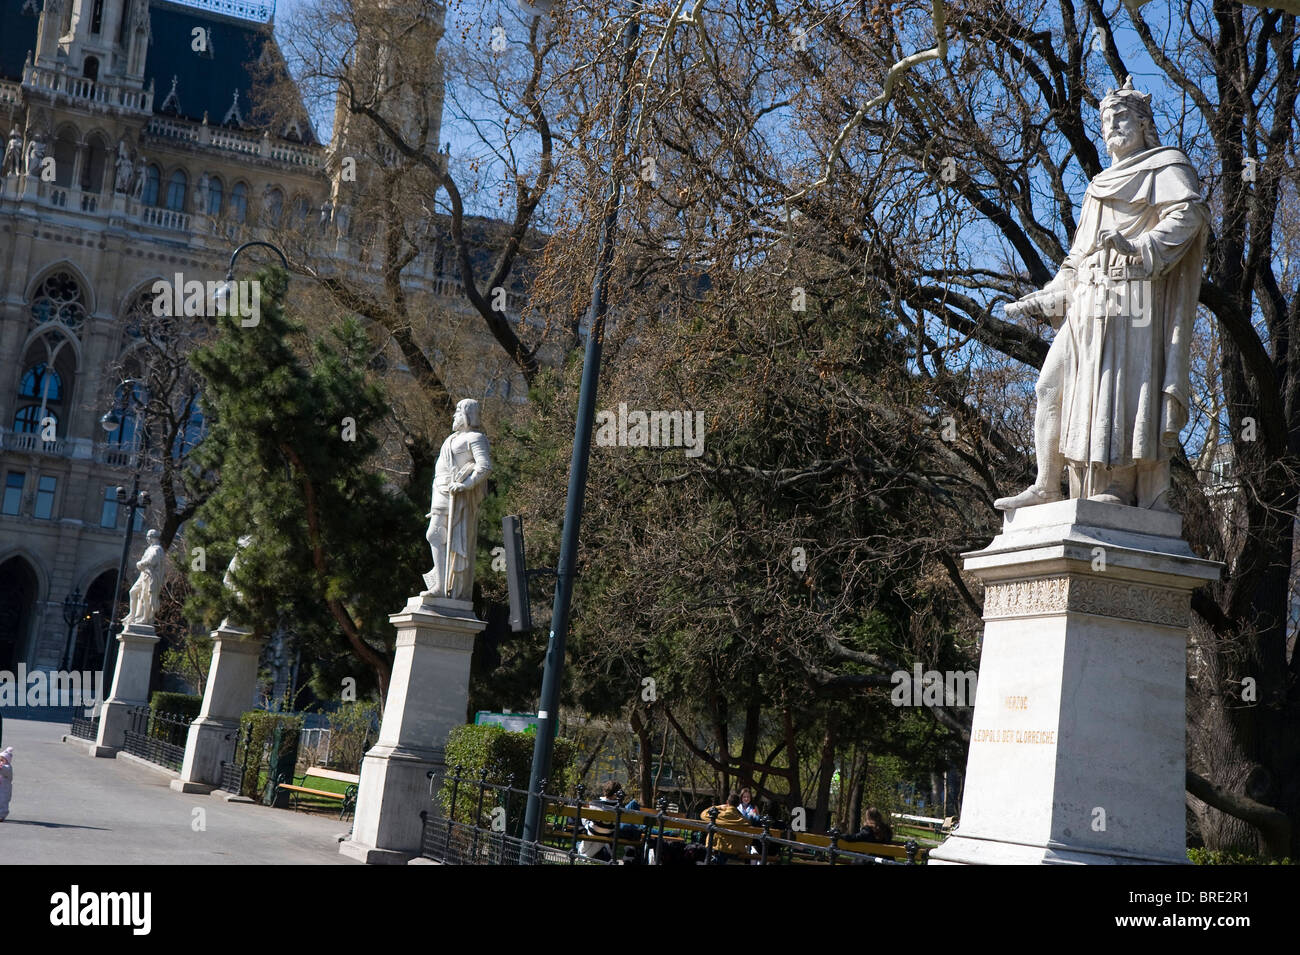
548	711
74	608
227	289
134	501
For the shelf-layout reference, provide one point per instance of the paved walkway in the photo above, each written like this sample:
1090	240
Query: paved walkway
69	808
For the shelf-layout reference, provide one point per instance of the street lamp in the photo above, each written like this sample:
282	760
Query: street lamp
226	291
136	500
74	608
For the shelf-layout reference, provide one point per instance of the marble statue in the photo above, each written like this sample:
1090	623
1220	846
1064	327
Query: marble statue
459	484
1113	390
13	155
201	194
35	155
123	168
228	581
147	587
138	178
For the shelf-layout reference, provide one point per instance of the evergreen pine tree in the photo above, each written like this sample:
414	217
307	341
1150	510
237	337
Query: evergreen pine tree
290	456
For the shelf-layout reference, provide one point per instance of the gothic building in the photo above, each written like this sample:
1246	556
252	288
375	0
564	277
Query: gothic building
129	155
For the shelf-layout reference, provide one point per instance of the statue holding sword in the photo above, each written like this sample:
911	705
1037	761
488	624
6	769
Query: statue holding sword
459	485
1112	393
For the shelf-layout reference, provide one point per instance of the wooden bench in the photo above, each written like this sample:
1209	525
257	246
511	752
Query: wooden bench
563	831
347	798
887	850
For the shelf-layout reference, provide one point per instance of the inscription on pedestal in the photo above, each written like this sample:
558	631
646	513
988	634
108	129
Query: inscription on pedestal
1091	595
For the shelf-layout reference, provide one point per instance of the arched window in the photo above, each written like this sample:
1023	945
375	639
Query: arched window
93	165
27	419
90	70
214	196
59	298
301	210
176	191
139	312
272	206
41	381
152	179
127	407
239	202
65	157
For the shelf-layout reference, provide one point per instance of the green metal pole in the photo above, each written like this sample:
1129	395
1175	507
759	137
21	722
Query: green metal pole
548	711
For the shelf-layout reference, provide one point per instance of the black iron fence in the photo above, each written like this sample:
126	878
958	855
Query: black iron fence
157	737
234	768
474	822
85	727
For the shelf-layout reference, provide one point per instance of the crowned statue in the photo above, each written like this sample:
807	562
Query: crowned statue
1113	390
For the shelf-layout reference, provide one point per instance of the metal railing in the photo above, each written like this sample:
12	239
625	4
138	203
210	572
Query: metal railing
157	737
234	768
85	727
475	822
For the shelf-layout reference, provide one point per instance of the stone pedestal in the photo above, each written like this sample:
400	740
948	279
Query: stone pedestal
232	680
130	687
1077	751
427	696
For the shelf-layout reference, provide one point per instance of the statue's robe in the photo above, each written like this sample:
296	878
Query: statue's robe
1129	318
465	459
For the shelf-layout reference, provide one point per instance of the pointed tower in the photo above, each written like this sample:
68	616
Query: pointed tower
394	64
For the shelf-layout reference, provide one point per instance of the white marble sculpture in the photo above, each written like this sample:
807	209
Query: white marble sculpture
147	586
229	579
13	156
138	178
1112	394
35	155
459	484
122	168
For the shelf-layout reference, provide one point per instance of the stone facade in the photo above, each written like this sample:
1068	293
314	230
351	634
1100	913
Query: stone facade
133	159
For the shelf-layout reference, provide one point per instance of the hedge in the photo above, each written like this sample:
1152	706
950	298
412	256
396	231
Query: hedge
502	753
184	705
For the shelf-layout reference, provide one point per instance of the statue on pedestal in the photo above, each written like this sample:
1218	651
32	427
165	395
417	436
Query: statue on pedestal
122	169
13	156
147	587
459	485
229	579
1113	391
35	155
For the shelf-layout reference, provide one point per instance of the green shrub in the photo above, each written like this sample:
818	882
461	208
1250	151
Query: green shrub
1230	857
351	726
261	761
504	755
183	705
178	706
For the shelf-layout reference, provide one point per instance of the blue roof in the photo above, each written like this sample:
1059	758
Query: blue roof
206	81
17	36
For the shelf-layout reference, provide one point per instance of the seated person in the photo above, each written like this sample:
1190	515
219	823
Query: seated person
747	807
727	847
611	794
876	829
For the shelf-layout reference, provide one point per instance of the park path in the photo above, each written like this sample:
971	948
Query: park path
71	809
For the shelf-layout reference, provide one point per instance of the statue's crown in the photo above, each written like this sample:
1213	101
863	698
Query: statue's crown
1127	95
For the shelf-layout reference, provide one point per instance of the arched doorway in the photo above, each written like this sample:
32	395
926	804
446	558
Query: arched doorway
92	635
18	587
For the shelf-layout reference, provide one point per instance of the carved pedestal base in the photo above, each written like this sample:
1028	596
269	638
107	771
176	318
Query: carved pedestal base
1077	745
427	696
